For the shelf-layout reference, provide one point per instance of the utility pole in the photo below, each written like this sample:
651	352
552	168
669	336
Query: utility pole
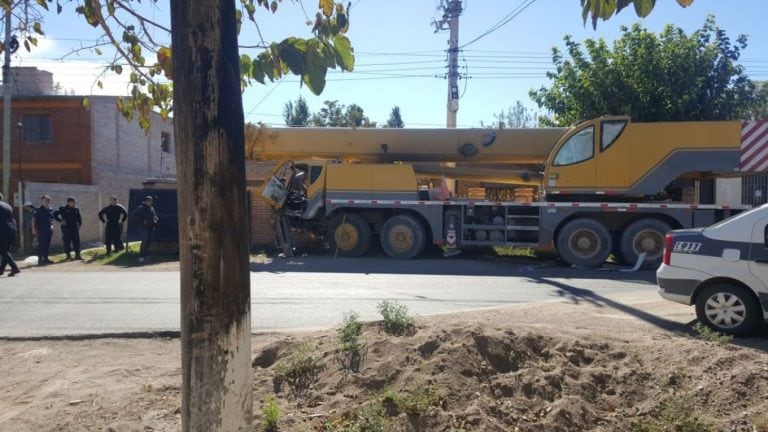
7	107
451	11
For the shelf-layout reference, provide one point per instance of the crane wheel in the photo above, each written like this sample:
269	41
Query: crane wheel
644	235
349	235
402	237
584	242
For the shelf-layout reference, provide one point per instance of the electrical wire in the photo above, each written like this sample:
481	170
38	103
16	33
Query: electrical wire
504	21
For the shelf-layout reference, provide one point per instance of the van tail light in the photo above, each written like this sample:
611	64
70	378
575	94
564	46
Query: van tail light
667	249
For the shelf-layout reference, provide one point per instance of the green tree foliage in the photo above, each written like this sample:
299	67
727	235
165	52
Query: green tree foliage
666	77
517	116
334	114
142	48
395	120
761	107
298	114
604	9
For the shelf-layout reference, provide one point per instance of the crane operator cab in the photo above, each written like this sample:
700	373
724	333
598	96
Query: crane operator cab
287	188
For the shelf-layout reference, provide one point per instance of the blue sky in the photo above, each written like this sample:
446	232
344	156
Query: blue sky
401	60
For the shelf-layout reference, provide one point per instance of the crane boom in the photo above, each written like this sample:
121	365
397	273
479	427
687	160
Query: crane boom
519	146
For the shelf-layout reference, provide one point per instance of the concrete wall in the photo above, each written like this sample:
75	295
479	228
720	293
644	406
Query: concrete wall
123	154
728	191
89	200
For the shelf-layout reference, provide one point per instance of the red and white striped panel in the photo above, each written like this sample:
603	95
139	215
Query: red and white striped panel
754	146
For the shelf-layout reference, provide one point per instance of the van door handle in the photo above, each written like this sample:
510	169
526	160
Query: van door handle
761	261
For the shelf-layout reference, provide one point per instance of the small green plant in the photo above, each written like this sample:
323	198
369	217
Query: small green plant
369	418
352	350
300	371
396	319
413	402
271	413
674	415
707	334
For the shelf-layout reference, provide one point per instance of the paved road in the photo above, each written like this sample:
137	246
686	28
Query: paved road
295	293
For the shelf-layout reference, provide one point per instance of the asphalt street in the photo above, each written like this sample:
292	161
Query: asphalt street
289	293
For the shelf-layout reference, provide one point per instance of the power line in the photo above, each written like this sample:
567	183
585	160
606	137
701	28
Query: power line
509	17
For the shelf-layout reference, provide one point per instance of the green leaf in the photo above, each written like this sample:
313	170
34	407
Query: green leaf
43	4
251	9
100	84
118	69
37	28
314	77
97	51
86	103
292	53
245	66
257	71
644	7
345	54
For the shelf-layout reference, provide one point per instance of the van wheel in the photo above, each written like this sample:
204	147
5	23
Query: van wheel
584	242
402	237
644	235
728	308
349	235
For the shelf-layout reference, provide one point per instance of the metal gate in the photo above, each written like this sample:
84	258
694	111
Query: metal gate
754	189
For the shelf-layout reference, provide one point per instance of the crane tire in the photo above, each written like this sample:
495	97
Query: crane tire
584	242
349	235
402	237
644	235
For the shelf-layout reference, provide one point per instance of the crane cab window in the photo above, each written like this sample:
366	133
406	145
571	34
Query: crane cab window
611	130
578	148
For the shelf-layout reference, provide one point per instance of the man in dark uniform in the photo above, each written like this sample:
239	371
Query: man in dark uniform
7	237
69	216
42	228
115	215
146	218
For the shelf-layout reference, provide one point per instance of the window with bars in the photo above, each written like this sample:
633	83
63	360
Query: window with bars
36	128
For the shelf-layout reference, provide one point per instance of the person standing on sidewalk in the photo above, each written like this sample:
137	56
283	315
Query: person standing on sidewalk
7	237
42	228
146	218
115	215
71	221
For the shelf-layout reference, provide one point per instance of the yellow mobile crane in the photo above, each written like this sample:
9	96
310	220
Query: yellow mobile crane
596	180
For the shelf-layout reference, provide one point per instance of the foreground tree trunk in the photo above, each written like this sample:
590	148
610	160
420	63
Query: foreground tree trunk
213	232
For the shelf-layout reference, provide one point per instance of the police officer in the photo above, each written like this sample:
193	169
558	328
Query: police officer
69	216
42	228
7	237
115	215
146	218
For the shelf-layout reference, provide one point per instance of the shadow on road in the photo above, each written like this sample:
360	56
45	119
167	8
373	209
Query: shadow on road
580	295
453	266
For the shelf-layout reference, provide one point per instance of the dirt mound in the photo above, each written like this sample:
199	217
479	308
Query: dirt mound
493	379
552	367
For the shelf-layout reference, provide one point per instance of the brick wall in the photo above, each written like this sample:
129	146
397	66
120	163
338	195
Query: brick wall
66	158
262	221
89	200
123	154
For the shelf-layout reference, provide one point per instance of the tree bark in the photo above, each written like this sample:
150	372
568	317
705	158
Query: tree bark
213	232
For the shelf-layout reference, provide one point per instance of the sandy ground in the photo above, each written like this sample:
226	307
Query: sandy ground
572	365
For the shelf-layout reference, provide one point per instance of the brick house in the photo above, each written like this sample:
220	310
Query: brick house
60	147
